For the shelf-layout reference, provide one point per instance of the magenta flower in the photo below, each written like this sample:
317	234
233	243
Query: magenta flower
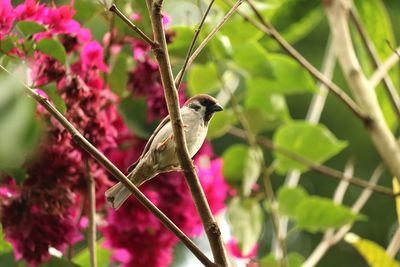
6	17
92	57
235	250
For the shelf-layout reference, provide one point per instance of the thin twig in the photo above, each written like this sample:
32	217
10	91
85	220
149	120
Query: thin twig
313	115
267	143
171	96
267	29
387	82
114	171
234	8
135	28
91	189
394	244
384	68
189	52
331	238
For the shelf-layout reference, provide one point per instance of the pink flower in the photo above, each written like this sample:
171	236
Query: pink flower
6	17
92	57
235	250
30	10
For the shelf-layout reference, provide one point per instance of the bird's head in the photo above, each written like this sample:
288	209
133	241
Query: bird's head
205	105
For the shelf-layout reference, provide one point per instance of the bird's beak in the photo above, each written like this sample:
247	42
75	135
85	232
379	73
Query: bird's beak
216	107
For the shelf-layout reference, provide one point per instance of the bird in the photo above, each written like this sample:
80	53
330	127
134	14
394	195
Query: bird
159	154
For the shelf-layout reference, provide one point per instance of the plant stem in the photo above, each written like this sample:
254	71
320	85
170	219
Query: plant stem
114	171
92	215
189	52
171	96
208	38
267	143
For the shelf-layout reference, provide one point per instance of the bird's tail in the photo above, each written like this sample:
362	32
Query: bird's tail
117	195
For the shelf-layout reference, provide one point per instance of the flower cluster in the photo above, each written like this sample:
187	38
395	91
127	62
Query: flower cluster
44	211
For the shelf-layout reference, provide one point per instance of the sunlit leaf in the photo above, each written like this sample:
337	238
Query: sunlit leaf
52	48
373	253
289	200
118	77
299	137
269	261
221	123
288	77
238	31
5	246
245	216
396	190
85	10
28	28
253	59
242	166
295	260
203	78
319	214
103	256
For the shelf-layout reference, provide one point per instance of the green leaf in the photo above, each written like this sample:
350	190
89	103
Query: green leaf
8	260
269	261
294	19
319	214
59	262
5	247
7	44
289	77
19	129
55	97
52	48
18	174
103	256
242	166
245	216
295	259
239	31
253	59
289	200
252	170
183	36
203	79
373	253
85	10
134	114
221	123
28	28
314	142
118	77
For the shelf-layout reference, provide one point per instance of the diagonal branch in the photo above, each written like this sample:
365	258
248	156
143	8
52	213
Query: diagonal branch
107	164
234	8
189	52
269	30
267	143
118	12
387	82
171	96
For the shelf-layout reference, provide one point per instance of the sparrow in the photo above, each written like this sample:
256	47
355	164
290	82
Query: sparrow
159	154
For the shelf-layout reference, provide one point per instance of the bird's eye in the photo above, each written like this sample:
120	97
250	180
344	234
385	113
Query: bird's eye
194	106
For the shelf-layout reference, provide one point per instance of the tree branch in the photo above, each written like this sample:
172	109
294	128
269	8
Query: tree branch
337	12
171	96
189	52
269	30
92	215
267	143
331	238
234	8
387	82
384	68
118	12
107	164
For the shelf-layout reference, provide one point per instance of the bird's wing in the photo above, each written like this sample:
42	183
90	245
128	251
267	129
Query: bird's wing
148	144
